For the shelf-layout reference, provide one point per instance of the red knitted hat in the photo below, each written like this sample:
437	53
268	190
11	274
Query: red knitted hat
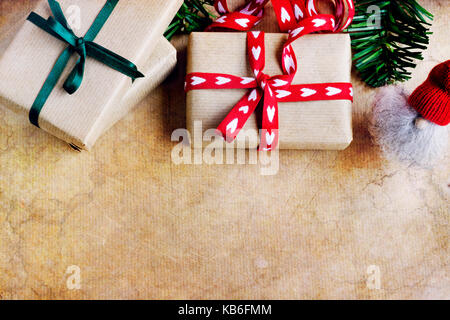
432	98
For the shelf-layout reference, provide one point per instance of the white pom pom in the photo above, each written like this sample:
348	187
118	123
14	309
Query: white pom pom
401	133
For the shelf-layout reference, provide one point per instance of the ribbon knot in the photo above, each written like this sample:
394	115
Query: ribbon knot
263	79
58	27
80	44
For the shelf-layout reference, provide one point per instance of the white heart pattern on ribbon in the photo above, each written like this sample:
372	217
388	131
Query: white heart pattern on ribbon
282	93
256	52
319	22
244	109
197	81
332	91
232	126
252	96
279	83
289	63
247	80
285	15
221	19
308	92
256	34
298	12
311	8
220	7
242	22
295	32
271	113
222	80
270	138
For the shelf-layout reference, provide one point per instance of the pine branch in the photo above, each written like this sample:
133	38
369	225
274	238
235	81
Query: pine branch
192	16
388	36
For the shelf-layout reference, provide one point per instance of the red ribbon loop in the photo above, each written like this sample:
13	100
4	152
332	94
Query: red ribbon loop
288	13
244	19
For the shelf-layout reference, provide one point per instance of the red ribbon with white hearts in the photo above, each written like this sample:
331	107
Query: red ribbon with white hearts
274	89
288	13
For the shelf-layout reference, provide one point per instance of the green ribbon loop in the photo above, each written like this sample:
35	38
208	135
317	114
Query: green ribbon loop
58	27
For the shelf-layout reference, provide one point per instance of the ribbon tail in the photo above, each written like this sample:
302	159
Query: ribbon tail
269	132
43	24
113	60
54	28
75	78
239	115
58	13
48	86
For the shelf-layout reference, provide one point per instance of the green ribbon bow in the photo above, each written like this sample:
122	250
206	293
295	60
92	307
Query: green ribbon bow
58	27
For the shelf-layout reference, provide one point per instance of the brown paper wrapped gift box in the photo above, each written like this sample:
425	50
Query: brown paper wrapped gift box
133	31
322	58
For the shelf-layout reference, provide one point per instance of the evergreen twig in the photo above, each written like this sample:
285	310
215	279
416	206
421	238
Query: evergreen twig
385	52
192	16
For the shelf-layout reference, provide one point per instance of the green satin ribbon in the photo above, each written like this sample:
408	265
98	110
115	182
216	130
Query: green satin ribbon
58	27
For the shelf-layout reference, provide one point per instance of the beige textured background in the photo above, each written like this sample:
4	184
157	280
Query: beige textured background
139	226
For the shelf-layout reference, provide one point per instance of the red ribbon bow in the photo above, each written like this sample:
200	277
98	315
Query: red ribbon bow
274	89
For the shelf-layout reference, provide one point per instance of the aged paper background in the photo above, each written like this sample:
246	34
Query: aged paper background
136	225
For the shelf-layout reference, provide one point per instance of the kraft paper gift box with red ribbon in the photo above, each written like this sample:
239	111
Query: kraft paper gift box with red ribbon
92	49
304	105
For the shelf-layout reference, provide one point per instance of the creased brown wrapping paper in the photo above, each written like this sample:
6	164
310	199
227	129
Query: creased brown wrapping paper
133	30
322	58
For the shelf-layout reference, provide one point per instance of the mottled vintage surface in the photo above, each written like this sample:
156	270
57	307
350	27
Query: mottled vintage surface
139	226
